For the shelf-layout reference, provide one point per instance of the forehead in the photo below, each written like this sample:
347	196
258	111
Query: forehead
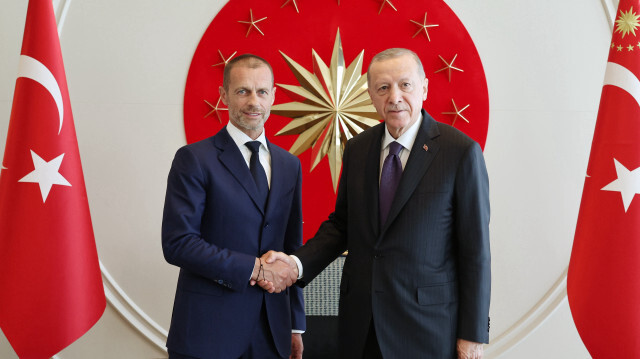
248	76
401	67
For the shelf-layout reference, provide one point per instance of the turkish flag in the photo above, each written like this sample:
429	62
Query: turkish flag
603	282
51	289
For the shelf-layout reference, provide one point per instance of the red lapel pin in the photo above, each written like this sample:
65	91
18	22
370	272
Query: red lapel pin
425	147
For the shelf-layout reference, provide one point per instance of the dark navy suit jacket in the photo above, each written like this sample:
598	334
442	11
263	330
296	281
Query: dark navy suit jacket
213	230
424	276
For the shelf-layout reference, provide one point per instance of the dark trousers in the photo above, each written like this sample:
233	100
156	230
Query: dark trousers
261	346
174	355
371	346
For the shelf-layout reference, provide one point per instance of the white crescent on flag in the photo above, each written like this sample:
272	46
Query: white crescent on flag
33	69
619	76
628	182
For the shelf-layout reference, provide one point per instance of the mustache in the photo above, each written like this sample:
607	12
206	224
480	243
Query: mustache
396	108
254	109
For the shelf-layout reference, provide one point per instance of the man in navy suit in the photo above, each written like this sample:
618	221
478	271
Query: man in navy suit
413	211
231	198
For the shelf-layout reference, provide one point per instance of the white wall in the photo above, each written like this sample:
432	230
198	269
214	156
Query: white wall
127	61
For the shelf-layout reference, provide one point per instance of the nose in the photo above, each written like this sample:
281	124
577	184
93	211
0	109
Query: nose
395	95
253	98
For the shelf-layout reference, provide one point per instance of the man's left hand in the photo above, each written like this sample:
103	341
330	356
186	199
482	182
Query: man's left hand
296	346
469	350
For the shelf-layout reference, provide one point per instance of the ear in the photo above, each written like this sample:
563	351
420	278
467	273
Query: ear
223	95
273	95
425	88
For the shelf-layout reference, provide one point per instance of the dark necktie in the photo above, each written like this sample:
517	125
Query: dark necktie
389	179
257	171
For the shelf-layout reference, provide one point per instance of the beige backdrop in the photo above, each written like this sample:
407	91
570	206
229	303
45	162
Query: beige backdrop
127	61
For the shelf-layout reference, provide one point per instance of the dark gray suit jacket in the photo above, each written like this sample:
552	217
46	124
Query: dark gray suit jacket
424	277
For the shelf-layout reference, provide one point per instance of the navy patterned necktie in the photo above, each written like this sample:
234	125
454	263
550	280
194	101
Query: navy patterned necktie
389	179
257	171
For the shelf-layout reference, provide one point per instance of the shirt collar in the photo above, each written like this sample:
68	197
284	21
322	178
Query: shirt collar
240	138
406	139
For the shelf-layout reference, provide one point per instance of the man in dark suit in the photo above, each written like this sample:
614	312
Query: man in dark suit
231	198
413	211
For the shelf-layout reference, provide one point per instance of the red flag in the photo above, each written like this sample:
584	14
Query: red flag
51	289
603	282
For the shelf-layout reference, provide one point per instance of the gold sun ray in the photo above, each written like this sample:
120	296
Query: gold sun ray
335	108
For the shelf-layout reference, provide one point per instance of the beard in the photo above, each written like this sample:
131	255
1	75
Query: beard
249	124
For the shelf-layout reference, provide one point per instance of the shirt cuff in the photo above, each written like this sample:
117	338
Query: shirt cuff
299	264
297	331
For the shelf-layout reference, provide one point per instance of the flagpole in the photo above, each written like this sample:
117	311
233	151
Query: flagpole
63	16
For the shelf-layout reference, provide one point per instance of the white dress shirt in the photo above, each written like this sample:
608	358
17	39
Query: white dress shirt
240	138
406	140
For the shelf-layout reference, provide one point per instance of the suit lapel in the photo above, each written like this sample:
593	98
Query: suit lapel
232	159
372	171
278	179
417	164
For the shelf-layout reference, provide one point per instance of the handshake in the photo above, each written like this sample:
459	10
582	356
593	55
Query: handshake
274	272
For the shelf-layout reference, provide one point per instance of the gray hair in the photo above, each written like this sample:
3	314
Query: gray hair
393	53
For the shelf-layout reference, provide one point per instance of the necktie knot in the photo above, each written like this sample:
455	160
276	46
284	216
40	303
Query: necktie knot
254	146
395	148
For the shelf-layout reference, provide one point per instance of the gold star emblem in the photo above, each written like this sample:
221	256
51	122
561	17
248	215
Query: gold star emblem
457	113
215	109
449	66
224	61
294	4
612	45
384	2
630	47
627	22
423	27
619	48
253	23
336	107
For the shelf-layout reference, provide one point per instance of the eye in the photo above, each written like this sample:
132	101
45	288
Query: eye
383	88
241	91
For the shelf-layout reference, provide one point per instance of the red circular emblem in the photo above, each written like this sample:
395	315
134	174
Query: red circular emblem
319	51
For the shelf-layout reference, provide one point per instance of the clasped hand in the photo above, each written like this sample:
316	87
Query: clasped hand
274	272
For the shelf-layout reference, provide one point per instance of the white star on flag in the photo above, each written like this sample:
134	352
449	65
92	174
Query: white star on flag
46	174
627	183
